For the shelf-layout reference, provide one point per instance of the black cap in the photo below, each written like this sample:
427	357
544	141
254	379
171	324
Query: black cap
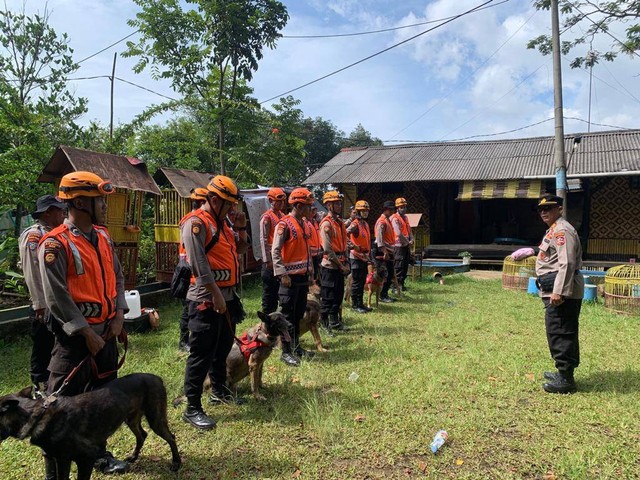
388	204
46	202
550	201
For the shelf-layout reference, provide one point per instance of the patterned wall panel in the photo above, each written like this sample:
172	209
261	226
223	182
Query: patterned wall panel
615	211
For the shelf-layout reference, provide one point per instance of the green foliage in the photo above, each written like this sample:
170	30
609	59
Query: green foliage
594	19
322	142
10	281
360	137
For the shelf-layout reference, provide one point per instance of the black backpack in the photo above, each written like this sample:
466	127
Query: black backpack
181	279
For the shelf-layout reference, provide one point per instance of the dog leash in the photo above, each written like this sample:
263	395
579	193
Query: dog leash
209	305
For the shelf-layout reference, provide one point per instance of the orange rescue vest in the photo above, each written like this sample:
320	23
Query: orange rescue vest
275	218
339	237
91	278
405	228
315	246
363	240
296	256
388	237
223	256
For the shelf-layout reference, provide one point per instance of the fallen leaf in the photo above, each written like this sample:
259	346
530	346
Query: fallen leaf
271	369
493	379
376	395
459	462
530	376
550	476
153	458
360	418
296	474
295	380
422	466
501	369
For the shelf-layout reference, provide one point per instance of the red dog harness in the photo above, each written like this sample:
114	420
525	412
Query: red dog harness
249	345
371	280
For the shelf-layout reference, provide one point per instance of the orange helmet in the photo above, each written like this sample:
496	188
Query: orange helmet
276	193
225	188
83	184
362	205
332	196
301	195
198	193
401	202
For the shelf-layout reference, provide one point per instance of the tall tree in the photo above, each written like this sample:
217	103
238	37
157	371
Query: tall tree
199	48
360	137
37	109
595	19
322	142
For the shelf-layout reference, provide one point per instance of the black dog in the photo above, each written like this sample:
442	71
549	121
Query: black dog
76	429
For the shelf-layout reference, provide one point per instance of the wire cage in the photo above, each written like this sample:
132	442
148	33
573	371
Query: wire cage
622	289
516	273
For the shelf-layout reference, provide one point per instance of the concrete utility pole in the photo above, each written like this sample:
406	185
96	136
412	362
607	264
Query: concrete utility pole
113	80
561	168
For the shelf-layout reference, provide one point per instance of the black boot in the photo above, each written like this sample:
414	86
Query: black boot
358	305
324	322
50	471
287	357
197	418
304	354
563	383
109	465
550	375
334	322
183	346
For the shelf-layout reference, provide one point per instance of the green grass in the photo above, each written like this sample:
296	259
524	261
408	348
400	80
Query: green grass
467	357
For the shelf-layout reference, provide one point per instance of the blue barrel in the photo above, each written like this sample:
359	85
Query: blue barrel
532	288
590	293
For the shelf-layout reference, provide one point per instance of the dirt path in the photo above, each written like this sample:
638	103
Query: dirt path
484	274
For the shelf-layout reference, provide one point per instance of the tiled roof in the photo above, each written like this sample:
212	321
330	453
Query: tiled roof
604	153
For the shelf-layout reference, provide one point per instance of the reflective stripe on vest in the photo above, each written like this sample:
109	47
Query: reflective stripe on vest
91	278
339	237
296	256
363	240
274	218
388	237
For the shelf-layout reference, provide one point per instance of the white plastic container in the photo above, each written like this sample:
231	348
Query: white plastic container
133	302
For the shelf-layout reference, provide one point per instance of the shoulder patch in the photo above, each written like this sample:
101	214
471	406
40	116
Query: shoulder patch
50	257
280	229
196	227
327	228
560	239
51	244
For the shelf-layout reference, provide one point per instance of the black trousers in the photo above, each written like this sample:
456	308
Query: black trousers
331	291
316	267
43	340
270	286
293	303
561	324
184	323
358	278
68	352
384	291
211	338
401	263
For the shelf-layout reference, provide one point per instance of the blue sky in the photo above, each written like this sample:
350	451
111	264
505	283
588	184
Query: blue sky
471	77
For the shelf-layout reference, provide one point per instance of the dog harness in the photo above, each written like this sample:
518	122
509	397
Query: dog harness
249	345
371	280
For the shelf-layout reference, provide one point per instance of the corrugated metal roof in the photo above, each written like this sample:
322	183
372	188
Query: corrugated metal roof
123	172
181	179
613	152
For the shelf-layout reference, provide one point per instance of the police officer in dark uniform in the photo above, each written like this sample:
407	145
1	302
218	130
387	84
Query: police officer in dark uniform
561	289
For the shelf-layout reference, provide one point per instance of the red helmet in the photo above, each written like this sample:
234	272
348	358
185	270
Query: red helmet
301	195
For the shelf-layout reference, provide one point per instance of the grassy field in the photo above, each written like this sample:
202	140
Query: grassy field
467	357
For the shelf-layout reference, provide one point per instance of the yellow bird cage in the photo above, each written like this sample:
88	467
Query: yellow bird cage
622	289
516	273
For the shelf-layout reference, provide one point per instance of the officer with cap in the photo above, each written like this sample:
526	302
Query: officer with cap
385	239
198	196
561	288
403	241
270	285
84	290
49	214
359	244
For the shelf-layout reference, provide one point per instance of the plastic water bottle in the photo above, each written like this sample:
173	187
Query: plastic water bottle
438	440
354	377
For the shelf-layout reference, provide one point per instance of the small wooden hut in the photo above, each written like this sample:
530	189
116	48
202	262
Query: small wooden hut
124	207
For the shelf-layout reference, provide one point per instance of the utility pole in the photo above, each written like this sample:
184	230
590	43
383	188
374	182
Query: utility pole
113	80
561	168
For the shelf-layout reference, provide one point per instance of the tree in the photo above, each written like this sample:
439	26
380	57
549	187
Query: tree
360	137
322	142
201	48
37	110
597	18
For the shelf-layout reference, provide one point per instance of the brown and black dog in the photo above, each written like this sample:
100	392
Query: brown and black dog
248	357
376	277
311	318
76	429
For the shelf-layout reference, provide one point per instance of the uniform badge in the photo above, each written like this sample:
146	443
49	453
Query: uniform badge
32	245
49	257
560	239
195	228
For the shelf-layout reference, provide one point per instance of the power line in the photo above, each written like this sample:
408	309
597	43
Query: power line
442	99
145	88
107	48
377	53
337	35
